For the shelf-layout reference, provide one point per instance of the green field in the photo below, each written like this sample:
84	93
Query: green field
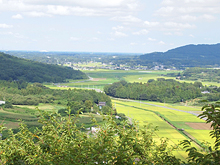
146	114
11	118
102	77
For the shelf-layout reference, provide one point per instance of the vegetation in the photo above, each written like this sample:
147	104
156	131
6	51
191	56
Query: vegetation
36	93
178	58
185	56
162	90
22	98
61	141
198	74
13	68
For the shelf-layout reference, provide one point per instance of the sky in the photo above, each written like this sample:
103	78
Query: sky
125	26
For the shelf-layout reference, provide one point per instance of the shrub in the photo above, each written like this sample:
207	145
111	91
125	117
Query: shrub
60	141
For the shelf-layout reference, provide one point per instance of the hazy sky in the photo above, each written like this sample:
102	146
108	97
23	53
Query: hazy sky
138	26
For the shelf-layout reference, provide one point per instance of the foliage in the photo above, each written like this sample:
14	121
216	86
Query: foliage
61	142
198	74
37	93
13	68
161	90
210	154
185	56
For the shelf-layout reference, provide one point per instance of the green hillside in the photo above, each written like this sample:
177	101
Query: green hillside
13	68
186	56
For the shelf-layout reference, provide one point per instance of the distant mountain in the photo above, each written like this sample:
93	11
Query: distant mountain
13	68
189	56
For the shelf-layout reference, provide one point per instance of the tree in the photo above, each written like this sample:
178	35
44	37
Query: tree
198	84
210	154
60	141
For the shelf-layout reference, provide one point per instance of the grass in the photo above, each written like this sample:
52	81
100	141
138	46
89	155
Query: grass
145	117
145	114
110	76
41	106
201	135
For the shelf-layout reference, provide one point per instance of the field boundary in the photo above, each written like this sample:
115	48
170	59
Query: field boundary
182	132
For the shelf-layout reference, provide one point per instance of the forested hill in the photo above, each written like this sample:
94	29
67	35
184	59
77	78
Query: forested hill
189	55
13	68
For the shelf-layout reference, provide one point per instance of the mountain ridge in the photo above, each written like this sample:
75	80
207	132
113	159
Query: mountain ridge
190	55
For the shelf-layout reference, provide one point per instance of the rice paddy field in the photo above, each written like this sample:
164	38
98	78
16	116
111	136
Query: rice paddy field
145	114
101	77
168	117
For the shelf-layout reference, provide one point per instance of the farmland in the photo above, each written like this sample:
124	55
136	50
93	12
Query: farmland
101	77
181	115
145	114
168	117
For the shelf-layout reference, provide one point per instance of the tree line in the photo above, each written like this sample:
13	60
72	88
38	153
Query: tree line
198	74
161	90
22	93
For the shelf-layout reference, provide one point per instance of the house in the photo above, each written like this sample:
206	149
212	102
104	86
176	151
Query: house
204	92
101	104
2	102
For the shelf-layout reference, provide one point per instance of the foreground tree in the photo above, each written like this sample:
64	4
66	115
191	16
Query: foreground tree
61	141
210	154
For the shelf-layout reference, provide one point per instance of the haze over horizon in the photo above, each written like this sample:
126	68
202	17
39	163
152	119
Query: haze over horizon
132	26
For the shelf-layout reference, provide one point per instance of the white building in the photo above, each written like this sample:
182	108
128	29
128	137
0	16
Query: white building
2	102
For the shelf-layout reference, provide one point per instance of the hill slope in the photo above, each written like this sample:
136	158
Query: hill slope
13	68
189	55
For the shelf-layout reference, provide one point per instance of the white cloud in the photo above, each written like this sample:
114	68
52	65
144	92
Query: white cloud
133	43
111	39
208	17
177	7
75	39
85	3
38	14
118	28
178	33
191	35
151	39
6	33
128	18
58	10
5	26
167	2
94	39
141	32
161	43
178	26
168	33
17	16
73	7
18	35
119	34
188	18
151	24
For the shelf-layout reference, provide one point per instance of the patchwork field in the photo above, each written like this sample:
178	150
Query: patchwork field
144	114
202	126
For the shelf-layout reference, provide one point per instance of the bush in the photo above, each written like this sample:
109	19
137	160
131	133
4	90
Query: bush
8	104
61	142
